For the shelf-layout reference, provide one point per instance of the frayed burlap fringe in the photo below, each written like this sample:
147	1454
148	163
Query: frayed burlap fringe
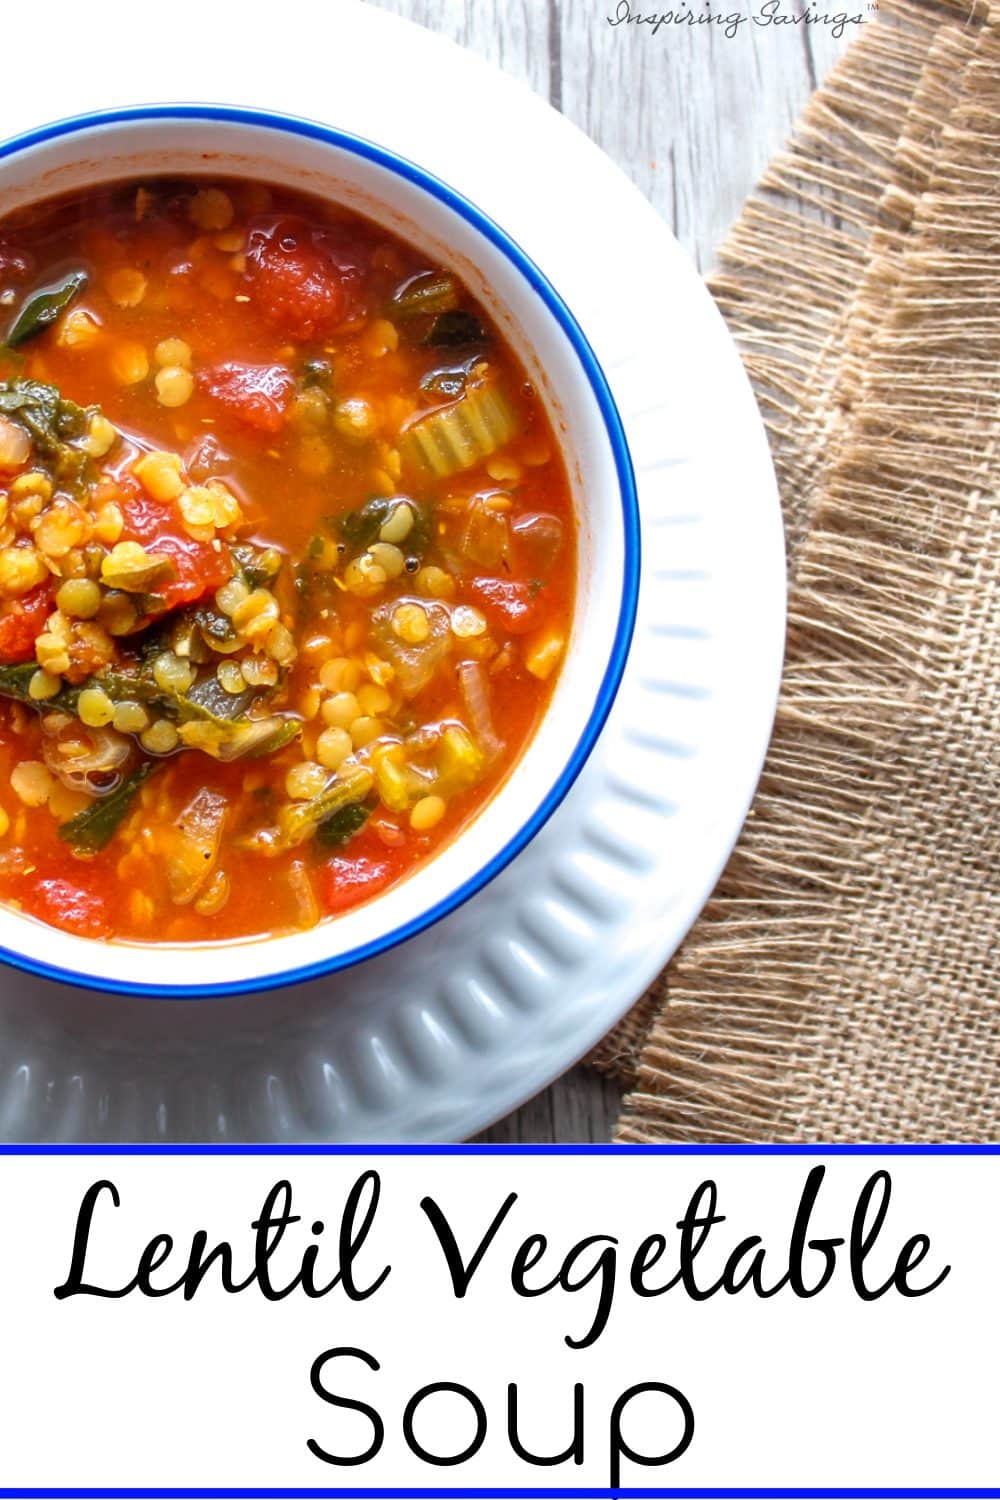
844	983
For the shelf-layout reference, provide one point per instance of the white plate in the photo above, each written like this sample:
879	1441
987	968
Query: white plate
438	1038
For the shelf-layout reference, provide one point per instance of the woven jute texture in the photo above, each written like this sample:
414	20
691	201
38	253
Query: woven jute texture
844	981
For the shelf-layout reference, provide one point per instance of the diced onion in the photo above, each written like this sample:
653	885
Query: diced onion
475	696
109	752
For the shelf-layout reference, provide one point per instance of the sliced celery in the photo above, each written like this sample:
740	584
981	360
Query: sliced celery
458	436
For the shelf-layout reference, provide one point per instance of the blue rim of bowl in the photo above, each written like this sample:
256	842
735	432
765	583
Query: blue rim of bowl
491	231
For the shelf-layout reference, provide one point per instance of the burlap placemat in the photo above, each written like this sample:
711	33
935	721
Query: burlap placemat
844	981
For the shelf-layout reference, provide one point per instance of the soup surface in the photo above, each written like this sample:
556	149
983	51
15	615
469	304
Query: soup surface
287	560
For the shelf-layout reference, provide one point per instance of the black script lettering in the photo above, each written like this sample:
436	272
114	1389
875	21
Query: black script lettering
878	1190
275	1218
74	1284
531	1251
460	1273
695	1228
797	1246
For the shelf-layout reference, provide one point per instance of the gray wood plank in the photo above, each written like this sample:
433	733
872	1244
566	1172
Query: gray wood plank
690	113
580	1106
692	116
512	33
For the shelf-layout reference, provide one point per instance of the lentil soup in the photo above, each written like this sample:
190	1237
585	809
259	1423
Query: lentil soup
287	560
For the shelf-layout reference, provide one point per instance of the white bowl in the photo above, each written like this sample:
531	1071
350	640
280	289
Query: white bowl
226	142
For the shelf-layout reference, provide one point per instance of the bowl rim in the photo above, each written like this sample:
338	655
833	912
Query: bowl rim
428	182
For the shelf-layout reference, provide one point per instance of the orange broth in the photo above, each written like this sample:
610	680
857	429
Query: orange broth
287	560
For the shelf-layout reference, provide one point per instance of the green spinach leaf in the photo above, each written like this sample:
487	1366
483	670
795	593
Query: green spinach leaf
42	310
341	826
97	824
359	528
452	329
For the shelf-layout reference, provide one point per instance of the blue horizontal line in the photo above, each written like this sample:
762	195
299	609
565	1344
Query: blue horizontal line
511	1494
358	1149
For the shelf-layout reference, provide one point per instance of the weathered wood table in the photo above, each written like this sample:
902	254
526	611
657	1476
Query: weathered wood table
692	114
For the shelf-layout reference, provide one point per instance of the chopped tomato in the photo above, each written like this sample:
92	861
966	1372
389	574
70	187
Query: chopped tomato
199	567
513	607
259	395
365	868
303	279
63	904
21	620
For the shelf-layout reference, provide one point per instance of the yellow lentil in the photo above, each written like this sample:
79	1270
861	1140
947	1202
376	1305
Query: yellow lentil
373	700
160	738
101	436
410	624
51	653
129	363
435	582
171	673
211	209
43	685
364	576
398	525
364	730
197	506
31	484
95	708
129	566
173	352
333	747
231	595
130	718
280	645
117	613
341	710
21	568
504	470
354	419
230	677
310	702
229	241
160	475
108	524
427	813
389	558
60	528
340	675
78	597
467	622
380	338
174	385
126	287
260	671
260	605
32	782
306	780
